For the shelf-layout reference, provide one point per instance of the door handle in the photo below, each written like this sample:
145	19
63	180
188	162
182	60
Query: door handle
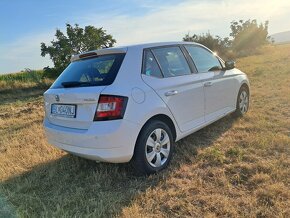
170	93
207	84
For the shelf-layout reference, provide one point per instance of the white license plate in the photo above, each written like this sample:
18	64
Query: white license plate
63	110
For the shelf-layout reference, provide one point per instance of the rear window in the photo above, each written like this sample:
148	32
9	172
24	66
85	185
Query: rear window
97	71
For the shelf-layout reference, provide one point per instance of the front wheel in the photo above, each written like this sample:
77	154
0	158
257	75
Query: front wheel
243	102
154	147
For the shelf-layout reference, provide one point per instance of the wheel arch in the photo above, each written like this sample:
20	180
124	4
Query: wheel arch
245	84
164	118
141	165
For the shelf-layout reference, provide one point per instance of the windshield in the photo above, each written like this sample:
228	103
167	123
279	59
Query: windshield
97	71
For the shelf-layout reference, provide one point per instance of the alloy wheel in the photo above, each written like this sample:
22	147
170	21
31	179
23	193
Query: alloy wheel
157	148
244	102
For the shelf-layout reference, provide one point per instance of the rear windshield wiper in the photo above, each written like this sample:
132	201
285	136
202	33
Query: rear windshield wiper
77	84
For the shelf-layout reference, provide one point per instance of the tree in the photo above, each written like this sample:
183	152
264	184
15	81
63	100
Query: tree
75	41
216	44
248	35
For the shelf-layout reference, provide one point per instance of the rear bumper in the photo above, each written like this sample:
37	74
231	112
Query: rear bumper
106	141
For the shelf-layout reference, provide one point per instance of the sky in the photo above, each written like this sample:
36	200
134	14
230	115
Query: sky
25	24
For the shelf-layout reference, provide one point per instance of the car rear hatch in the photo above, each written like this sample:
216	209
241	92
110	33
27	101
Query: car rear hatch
72	107
73	98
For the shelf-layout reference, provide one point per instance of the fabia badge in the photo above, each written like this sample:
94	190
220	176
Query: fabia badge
57	98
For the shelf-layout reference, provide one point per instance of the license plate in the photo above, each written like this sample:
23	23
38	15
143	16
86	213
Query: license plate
63	110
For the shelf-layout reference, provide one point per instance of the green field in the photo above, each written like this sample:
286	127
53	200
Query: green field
234	167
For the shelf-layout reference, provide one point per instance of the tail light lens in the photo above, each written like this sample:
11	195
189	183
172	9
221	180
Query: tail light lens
110	107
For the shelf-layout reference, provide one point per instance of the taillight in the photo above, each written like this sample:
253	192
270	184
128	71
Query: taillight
110	107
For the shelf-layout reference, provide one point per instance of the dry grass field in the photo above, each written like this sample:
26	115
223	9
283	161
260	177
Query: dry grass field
233	168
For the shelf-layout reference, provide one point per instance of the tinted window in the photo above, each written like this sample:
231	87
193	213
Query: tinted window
97	71
203	59
172	61
150	66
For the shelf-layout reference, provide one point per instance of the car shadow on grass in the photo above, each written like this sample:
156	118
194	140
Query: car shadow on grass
71	186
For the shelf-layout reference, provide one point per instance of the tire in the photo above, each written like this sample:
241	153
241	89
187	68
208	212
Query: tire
153	149
243	102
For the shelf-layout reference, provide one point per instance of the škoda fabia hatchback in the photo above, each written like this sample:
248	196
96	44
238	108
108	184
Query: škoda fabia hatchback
133	103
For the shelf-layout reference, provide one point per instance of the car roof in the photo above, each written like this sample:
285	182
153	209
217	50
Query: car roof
155	44
123	49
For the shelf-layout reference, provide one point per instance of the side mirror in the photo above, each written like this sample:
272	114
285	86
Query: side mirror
230	65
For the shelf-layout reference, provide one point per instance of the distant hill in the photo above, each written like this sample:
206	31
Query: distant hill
283	37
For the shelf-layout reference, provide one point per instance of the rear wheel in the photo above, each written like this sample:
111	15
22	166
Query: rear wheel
243	101
153	150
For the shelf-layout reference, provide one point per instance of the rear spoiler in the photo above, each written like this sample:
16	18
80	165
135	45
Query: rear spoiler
98	52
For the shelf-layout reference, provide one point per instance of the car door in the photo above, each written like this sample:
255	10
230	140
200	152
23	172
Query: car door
167	71
219	85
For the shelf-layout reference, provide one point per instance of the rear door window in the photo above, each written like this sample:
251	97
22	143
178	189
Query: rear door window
172	61
97	71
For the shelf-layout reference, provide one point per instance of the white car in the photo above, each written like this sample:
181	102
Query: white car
133	103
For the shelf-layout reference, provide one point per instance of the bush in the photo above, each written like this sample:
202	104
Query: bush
51	73
248	36
28	75
216	44
25	79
